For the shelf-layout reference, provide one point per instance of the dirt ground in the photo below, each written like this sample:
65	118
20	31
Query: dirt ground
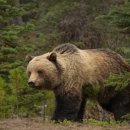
29	124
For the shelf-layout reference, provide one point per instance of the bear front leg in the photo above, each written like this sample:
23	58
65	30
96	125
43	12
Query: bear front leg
67	107
82	108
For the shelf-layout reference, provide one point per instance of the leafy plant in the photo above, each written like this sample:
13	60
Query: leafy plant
118	81
105	123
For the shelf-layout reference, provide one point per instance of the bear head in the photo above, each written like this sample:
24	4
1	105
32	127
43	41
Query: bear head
43	71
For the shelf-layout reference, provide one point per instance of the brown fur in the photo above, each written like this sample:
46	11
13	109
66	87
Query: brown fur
67	69
89	67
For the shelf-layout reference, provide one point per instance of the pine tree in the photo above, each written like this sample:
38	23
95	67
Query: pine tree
119	17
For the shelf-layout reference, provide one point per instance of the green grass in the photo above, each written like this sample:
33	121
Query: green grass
105	123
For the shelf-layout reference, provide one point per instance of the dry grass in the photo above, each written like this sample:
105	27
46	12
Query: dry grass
31	124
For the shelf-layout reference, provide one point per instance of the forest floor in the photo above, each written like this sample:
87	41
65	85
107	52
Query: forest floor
29	124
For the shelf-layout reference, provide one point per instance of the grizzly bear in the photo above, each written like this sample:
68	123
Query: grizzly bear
67	70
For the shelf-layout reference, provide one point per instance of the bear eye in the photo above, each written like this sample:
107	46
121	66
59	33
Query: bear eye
40	72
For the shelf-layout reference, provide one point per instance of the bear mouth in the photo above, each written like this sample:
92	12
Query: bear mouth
40	87
36	87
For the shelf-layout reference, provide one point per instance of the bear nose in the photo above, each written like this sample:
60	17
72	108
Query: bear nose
30	83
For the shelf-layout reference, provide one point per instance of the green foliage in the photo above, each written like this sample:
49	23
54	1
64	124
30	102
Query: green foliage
119	17
105	123
118	81
126	117
91	91
4	108
65	122
52	17
12	26
124	51
8	10
2	91
5	50
17	81
13	32
17	99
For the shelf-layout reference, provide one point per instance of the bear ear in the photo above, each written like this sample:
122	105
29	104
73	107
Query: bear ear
52	57
29	58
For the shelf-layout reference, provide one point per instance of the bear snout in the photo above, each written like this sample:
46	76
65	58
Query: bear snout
31	84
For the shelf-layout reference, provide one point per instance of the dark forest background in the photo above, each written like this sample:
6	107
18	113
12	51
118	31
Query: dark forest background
36	26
